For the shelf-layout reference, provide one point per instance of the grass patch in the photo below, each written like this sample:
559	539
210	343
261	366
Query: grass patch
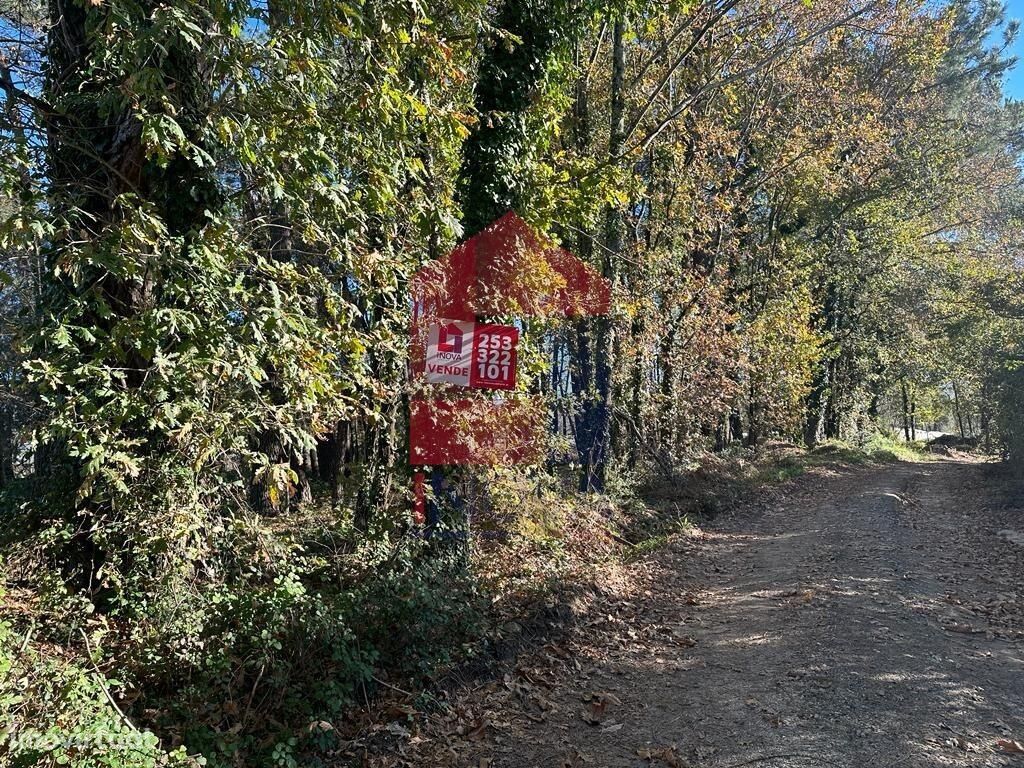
722	481
878	449
666	529
775	467
786	468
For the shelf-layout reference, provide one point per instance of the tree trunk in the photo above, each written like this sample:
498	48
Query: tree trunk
735	426
669	382
913	418
7	443
598	410
96	158
815	409
753	425
906	410
832	425
636	390
985	420
823	382
375	488
959	413
583	367
508	78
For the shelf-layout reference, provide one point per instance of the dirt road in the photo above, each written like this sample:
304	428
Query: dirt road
866	617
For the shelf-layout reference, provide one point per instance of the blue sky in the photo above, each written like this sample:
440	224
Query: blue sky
1015	79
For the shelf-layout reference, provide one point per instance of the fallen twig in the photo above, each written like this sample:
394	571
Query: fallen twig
103	683
252	695
392	687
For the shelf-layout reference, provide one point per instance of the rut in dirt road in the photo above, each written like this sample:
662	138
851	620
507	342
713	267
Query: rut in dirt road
871	617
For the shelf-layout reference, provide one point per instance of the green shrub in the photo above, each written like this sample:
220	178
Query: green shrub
58	711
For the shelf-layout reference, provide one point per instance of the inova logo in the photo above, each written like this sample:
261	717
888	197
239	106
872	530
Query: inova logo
449	339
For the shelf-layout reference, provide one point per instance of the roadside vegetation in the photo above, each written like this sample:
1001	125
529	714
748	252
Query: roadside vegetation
404	614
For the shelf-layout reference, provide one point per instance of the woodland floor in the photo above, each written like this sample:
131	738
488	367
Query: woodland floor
860	617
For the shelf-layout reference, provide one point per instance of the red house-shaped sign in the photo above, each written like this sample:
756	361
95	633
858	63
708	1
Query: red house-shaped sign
506	270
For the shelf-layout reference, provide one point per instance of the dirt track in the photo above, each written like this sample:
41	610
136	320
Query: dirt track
863	618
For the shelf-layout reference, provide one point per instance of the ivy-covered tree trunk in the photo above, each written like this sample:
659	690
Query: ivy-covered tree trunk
510	75
129	206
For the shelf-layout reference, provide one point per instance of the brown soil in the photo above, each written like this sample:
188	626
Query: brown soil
863	617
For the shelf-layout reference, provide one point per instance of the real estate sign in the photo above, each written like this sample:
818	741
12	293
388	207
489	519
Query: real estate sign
468	354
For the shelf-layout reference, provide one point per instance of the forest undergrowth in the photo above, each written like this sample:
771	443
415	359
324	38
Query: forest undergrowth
323	625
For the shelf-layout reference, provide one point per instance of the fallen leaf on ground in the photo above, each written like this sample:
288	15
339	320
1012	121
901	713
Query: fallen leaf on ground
396	729
962	744
683	639
597	706
604	697
963	629
666	755
575	759
1011	746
